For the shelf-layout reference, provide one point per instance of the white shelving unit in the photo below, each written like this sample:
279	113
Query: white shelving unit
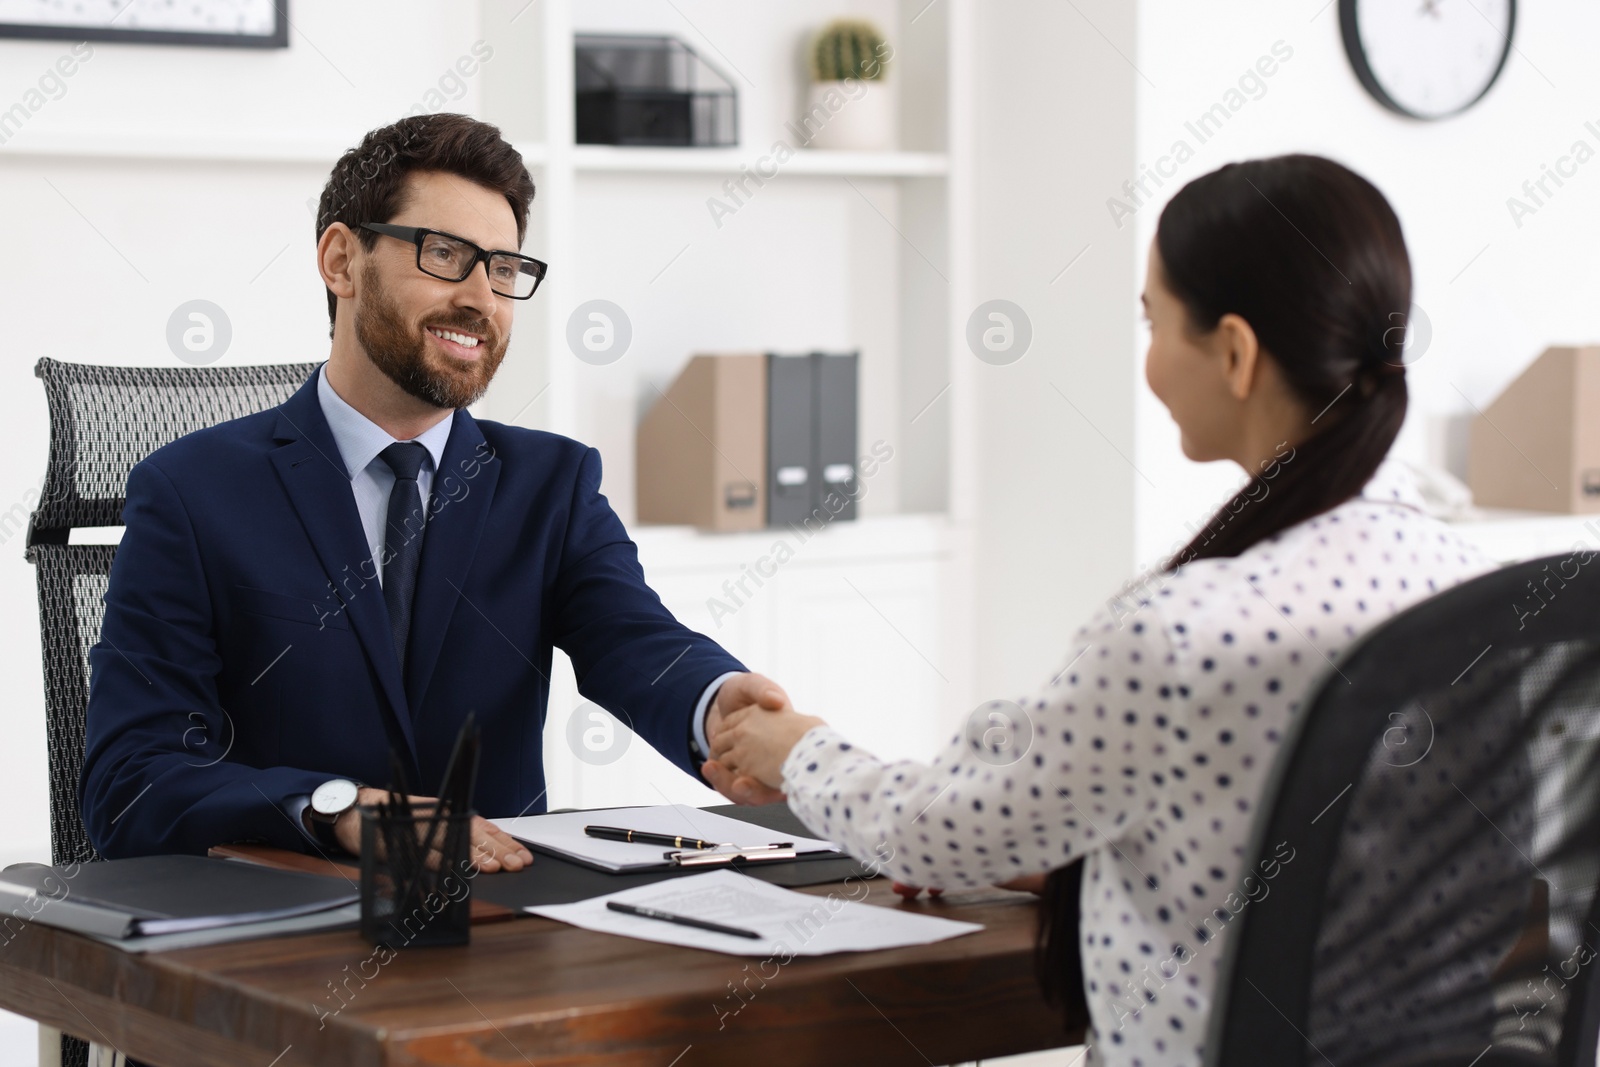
604	158
1512	536
836	250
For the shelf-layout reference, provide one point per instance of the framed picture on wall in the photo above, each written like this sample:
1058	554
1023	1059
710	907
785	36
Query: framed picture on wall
211	23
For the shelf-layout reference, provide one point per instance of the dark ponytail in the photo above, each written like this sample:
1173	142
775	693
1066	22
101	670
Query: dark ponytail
1310	254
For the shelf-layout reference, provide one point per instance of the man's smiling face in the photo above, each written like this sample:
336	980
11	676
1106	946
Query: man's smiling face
400	312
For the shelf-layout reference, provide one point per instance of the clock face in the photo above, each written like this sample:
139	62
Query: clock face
1427	58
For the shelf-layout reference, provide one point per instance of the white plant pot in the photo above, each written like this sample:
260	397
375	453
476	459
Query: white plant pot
850	116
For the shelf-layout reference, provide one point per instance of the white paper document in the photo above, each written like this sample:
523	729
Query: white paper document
562	834
790	923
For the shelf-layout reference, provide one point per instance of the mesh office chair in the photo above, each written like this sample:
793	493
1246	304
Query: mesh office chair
103	420
1438	804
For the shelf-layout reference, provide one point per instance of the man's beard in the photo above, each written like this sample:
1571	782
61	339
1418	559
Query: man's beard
432	377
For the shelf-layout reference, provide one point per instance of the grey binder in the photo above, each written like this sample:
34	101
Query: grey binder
792	478
836	433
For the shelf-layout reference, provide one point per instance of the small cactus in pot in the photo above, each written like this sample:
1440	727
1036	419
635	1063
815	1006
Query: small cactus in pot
849	48
850	105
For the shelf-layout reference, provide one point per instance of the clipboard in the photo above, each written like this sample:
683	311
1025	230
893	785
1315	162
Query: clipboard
555	880
563	834
725	855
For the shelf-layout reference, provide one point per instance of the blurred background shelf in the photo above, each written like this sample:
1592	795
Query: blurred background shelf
1509	536
607	159
850	619
664	549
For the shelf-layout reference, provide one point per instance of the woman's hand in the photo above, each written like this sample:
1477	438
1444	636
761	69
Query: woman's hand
1028	883
753	742
911	892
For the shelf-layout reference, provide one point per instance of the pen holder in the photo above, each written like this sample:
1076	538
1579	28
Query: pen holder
407	898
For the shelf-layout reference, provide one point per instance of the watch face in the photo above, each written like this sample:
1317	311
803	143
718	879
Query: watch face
333	796
1427	58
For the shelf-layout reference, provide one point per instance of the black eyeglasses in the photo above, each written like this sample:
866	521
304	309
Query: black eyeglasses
451	258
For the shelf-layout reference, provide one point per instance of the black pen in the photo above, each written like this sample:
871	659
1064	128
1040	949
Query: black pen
617	833
681	920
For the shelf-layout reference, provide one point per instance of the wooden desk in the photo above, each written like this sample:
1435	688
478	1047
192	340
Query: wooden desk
535	991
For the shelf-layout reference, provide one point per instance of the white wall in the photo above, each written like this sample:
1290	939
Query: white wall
1497	294
1055	127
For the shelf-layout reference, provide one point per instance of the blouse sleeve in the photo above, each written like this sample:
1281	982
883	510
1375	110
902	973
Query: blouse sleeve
1083	764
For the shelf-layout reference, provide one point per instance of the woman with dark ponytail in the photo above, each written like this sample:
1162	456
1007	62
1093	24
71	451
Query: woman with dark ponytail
1301	259
1278	292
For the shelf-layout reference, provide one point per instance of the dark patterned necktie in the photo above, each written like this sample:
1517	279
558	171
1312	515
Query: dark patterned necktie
402	539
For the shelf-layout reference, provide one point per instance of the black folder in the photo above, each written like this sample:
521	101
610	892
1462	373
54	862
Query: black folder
151	895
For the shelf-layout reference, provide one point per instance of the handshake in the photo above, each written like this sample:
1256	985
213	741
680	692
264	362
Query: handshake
751	727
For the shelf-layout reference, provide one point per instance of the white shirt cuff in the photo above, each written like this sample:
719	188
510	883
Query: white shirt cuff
812	756
703	707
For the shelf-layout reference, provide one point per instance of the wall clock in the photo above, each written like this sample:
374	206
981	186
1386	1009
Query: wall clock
1427	59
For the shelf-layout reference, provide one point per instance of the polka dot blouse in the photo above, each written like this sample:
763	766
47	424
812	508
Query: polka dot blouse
1145	752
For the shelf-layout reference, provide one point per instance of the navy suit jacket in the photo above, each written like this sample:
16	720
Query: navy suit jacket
246	654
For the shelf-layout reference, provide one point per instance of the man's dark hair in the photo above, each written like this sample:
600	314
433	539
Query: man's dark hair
368	183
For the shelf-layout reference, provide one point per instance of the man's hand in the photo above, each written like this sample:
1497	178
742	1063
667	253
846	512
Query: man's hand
491	848
741	691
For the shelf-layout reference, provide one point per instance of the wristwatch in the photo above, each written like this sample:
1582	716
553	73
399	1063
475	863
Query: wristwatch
330	800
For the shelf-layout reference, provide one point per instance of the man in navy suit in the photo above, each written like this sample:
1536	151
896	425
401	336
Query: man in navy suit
301	591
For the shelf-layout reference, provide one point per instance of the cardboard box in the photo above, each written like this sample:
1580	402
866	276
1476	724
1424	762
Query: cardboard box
702	447
1537	447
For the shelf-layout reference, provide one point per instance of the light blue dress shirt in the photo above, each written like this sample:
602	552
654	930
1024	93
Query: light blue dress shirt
360	440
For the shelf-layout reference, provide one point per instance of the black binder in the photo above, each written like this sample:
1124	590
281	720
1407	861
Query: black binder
556	880
152	895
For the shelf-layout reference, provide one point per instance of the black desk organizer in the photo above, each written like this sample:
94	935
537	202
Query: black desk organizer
556	880
406	902
416	865
654	91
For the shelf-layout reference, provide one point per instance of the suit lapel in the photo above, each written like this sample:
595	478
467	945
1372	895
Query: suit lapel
313	474
463	489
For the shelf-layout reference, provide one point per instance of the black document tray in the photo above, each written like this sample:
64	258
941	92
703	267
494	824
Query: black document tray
554	880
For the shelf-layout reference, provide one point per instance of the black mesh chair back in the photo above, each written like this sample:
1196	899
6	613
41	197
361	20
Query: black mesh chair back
103	420
1422	884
